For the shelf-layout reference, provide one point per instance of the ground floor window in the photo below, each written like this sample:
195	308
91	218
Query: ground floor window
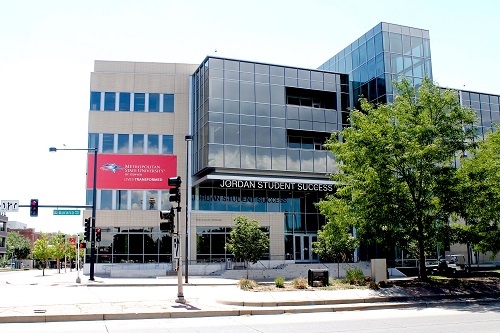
133	245
211	241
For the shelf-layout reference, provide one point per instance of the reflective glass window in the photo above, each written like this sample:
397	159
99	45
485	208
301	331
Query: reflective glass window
153	144
123	144
139	101
378	43
417	47
137	198
138	144
278	137
396	44
168	102
248	135
293	160
216	133
93	141
95	100
231	90
106	196
231	156
108	141
124	101
109	101
167	144
278	159
121	199
306	160
263	158
247	92
231	65
262	93
247	157
154	102
263	136
232	134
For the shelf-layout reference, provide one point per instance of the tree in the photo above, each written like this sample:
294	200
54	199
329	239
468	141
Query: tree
397	165
60	247
335	242
247	242
42	250
18	245
479	189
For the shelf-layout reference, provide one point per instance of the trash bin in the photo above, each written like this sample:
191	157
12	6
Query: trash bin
229	264
317	277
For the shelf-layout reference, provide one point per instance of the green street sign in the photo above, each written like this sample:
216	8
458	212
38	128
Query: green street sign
66	212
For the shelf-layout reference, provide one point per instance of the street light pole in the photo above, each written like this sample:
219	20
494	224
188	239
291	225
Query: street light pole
94	205
188	139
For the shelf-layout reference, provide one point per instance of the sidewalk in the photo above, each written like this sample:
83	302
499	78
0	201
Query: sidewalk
30	297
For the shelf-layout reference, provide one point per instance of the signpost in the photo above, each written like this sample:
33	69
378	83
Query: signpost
66	212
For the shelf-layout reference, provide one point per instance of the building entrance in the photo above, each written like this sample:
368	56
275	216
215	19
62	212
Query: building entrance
303	248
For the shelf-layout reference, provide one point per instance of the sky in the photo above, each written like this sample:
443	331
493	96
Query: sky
48	49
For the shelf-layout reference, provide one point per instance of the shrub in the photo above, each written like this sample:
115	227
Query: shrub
279	282
300	283
246	284
354	275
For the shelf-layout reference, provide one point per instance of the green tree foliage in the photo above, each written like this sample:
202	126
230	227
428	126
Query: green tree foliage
247	242
335	242
59	248
43	250
397	165
18	245
479	189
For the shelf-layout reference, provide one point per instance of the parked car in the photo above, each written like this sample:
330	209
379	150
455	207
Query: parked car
451	265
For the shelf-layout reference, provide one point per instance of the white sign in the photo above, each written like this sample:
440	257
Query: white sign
10	205
177	246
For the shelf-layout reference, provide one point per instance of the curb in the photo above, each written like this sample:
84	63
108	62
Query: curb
267	308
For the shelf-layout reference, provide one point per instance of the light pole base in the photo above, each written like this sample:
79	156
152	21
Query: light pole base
180	299
78	280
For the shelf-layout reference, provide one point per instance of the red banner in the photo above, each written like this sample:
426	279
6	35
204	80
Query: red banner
131	172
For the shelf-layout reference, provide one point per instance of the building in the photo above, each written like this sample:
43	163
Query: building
245	137
3	234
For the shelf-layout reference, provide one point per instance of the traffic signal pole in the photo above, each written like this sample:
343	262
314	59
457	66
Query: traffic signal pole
175	195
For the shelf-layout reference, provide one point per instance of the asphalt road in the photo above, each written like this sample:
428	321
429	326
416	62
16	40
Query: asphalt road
456	319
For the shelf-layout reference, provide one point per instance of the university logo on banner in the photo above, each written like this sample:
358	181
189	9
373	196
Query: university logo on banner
131	172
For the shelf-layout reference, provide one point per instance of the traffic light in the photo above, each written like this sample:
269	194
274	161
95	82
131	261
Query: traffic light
98	234
82	245
175	193
34	207
168	220
86	236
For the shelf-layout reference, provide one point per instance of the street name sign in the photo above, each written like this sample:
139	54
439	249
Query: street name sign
9	205
66	212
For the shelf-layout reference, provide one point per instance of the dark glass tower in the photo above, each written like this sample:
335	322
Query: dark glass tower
381	56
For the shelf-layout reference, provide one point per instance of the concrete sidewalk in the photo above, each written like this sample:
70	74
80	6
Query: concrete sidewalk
30	297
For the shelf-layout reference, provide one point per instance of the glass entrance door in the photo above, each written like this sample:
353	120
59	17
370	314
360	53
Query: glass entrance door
303	248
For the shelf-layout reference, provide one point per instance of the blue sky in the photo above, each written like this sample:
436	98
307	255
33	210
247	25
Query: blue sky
48	50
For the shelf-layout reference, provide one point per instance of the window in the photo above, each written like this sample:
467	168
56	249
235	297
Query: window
168	103
153	144
138	144
154	102
139	101
124	104
95	100
108	141
109	101
167	144
123	144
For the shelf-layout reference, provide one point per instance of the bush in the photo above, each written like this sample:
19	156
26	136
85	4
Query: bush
246	284
300	283
279	282
354	275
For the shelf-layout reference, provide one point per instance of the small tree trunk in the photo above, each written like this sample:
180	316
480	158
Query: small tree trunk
421	251
246	264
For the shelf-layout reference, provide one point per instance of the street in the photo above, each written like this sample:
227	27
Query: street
456	319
